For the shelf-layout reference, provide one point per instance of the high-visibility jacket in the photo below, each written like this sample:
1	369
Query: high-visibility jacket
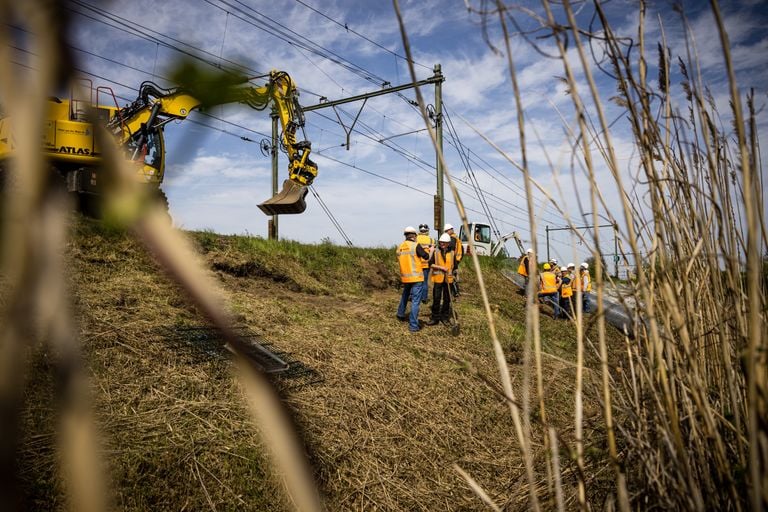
458	248
522	269
410	266
566	288
427	242
583	282
438	276
548	282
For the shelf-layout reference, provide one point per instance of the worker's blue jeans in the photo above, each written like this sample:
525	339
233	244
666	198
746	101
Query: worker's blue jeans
425	288
412	291
585	301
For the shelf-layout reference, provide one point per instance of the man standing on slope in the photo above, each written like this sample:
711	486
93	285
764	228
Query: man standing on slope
428	244
524	268
458	252
585	283
566	292
409	257
548	285
441	264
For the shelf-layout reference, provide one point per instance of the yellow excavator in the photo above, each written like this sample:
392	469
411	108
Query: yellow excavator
73	150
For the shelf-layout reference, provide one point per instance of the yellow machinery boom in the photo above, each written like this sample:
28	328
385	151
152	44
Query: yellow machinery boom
72	149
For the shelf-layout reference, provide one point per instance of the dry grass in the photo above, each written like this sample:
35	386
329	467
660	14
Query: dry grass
392	416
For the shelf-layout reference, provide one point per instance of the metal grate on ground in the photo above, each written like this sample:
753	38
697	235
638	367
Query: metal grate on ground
281	365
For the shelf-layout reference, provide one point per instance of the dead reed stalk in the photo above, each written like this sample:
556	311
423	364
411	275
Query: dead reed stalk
691	400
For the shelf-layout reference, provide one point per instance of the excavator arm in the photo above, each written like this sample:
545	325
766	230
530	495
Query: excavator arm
155	106
499	245
282	93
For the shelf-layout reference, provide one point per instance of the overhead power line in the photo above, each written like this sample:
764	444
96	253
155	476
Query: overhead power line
330	216
345	26
134	28
275	28
475	184
410	187
518	189
424	166
147	34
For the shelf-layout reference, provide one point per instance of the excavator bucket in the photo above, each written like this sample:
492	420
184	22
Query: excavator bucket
289	200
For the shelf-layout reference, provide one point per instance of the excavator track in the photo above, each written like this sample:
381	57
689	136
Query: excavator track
288	201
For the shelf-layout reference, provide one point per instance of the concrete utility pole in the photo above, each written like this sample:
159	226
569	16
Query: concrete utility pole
272	232
440	198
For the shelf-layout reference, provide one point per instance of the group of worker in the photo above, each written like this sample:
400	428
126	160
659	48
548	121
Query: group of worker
419	257
558	286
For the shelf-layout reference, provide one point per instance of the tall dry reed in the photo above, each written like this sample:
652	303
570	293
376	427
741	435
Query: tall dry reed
684	405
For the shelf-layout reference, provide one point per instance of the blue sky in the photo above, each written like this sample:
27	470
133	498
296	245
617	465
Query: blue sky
214	179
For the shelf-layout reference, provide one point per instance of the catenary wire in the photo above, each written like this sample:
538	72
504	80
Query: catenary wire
330	215
241	127
346	27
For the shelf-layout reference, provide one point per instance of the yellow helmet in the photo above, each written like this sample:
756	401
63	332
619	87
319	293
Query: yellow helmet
546	266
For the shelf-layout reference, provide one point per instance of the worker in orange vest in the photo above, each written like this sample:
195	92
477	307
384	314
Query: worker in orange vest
548	285
585	283
428	243
524	267
409	258
441	263
458	252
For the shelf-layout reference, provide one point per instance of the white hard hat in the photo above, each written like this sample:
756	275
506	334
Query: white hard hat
553	260
447	227
571	265
409	229
445	237
529	251
585	265
563	269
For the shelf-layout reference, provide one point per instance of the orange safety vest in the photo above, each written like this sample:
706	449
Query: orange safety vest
438	276
548	282
426	242
459	250
522	269
566	290
583	276
410	266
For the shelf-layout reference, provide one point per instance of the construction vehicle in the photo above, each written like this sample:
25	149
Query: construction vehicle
481	240
73	150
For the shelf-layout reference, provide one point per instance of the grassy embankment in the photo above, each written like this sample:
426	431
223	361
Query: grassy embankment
392	414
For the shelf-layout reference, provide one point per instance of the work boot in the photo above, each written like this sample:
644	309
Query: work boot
402	318
433	321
